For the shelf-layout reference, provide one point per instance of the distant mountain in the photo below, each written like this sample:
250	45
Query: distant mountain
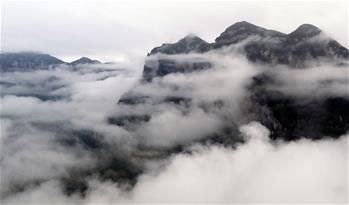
84	60
27	61
260	45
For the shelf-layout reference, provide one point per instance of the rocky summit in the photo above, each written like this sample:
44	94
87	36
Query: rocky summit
296	49
243	30
189	43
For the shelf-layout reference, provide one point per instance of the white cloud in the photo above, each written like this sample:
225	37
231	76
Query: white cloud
315	82
256	172
172	127
260	171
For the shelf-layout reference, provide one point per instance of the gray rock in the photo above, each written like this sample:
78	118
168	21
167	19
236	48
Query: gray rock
297	49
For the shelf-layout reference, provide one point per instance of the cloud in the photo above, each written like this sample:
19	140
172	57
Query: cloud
316	82
30	155
42	138
256	172
45	139
171	127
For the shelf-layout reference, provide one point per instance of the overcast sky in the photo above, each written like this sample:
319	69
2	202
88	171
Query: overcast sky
117	30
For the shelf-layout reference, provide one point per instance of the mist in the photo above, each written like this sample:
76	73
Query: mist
256	172
62	123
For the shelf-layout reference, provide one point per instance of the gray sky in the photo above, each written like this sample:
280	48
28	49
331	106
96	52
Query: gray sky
117	30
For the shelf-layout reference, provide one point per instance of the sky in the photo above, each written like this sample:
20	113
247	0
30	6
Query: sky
120	30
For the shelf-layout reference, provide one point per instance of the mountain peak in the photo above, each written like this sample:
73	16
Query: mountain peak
270	47
190	43
191	39
190	36
242	30
84	60
242	24
303	32
304	28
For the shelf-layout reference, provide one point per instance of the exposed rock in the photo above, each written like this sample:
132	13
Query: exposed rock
189	43
164	66
292	118
241	31
297	49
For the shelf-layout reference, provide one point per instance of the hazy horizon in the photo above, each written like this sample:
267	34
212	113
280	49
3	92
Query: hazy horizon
119	30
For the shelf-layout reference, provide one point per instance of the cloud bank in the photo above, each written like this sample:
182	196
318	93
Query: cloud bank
256	172
65	138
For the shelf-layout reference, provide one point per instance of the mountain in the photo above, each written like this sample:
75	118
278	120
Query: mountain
164	66
84	60
286	116
27	61
296	49
305	44
241	31
189	43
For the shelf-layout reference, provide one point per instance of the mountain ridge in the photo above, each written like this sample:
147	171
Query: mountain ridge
187	44
84	60
32	60
301	46
286	116
248	29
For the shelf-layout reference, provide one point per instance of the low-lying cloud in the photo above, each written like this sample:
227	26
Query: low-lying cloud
58	122
256	172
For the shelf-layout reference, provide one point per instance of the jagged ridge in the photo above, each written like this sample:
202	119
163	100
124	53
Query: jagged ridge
295	49
284	115
29	61
84	60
